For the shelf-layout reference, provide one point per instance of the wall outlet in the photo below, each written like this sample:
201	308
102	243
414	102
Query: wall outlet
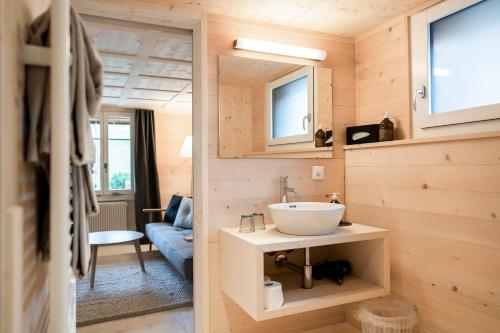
318	172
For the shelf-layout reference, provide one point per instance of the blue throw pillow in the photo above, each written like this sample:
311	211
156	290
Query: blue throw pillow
184	218
173	207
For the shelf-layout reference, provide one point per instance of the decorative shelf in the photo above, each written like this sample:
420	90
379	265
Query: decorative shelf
437	139
242	265
321	152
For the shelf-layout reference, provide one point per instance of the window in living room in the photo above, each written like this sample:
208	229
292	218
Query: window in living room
112	133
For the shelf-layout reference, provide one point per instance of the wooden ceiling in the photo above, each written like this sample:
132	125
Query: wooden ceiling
251	72
145	66
341	17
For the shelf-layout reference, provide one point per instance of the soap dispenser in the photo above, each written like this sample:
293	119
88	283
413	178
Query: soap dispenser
335	199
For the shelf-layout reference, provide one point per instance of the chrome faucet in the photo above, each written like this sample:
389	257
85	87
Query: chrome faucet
284	189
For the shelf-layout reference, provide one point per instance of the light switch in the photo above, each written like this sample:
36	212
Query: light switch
318	172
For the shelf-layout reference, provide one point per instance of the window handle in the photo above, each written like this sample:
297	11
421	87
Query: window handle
308	117
420	92
105	167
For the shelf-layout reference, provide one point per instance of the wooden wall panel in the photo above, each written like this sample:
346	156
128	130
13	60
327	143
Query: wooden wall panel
236	105
258	120
174	172
440	199
441	203
17	178
240	186
382	76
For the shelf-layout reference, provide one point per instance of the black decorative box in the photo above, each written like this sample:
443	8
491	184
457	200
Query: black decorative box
362	134
329	135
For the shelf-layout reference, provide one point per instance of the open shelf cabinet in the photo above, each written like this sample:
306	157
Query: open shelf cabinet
242	265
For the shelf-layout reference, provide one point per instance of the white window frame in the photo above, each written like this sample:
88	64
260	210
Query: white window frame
103	117
426	124
295	75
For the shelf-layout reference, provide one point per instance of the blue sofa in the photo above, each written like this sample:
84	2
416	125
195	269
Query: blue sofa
170	241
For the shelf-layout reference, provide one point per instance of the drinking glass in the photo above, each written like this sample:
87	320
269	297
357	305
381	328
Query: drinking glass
246	223
258	221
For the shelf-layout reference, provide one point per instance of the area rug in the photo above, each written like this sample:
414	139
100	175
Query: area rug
122	290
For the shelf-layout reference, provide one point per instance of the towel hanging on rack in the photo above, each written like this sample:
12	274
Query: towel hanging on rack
86	85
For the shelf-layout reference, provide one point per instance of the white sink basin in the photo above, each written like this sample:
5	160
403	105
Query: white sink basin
306	218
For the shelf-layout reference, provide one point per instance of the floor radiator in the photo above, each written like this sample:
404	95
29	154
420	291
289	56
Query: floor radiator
112	216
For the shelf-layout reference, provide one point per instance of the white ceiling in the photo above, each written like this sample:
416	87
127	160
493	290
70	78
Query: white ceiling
145	66
341	17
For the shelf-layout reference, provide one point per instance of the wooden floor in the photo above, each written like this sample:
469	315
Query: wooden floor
177	321
115	250
337	328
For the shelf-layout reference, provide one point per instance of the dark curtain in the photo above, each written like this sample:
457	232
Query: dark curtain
147	189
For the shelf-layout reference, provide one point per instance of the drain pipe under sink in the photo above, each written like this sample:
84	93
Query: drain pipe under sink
281	261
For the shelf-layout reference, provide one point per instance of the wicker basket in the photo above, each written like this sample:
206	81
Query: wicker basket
386	316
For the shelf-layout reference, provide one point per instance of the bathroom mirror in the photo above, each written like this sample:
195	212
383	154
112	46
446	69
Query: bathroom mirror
270	109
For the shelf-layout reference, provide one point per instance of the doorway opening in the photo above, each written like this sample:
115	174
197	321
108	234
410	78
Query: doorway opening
142	239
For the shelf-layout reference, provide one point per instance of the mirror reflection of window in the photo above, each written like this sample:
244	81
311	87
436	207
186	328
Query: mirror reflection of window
290	109
270	109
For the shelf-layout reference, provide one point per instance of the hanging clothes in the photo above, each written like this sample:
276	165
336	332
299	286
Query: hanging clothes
86	86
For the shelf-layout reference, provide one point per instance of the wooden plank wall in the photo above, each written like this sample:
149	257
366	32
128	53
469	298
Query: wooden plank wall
382	76
174	172
441	203
17	177
440	200
236	130
259	120
238	186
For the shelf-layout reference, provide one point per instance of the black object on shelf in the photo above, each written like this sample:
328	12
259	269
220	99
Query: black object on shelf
329	134
335	270
362	134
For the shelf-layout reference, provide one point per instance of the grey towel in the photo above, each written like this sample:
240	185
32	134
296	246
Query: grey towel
86	84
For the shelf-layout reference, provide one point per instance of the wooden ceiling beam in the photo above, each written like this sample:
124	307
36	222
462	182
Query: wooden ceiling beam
184	90
159	90
134	27
164	77
137	58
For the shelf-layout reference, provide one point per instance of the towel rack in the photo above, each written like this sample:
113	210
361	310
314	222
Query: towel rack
57	57
38	55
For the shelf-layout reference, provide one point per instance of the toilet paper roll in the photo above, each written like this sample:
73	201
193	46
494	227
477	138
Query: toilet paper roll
273	295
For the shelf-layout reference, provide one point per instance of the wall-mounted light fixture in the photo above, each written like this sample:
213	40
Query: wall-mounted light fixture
278	48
